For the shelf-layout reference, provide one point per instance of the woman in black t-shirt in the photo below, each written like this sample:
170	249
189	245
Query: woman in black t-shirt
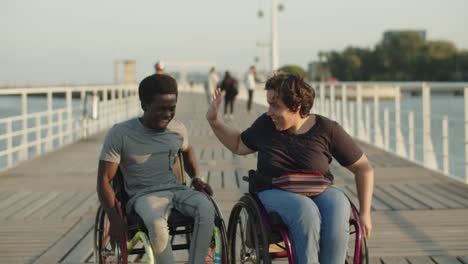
289	139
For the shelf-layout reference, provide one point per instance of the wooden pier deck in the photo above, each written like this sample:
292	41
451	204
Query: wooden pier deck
47	205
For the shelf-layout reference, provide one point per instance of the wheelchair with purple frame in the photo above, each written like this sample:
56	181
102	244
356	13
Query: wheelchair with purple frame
256	236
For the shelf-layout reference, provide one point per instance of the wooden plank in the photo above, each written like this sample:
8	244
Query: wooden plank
49	208
421	197
92	202
70	205
230	181
82	250
404	197
32	207
19	205
4	204
446	260
62	246
394	260
436	197
464	259
390	200
448	194
376	203
215	179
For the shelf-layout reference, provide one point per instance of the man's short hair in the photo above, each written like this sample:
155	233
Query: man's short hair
294	91
156	84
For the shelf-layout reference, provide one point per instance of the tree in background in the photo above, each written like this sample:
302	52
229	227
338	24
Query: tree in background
402	56
293	69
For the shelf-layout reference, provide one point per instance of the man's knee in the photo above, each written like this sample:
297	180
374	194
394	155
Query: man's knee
205	211
159	234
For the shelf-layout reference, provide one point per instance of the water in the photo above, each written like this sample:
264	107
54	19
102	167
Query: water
11	106
452	106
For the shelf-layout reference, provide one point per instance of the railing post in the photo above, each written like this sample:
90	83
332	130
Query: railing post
466	134
49	141
399	140
60	128
411	135
351	119
327	107
9	144
38	135
69	106
24	126
445	143
368	126
377	131
322	98
386	130
84	117
332	102
338	112
360	126
429	158
344	108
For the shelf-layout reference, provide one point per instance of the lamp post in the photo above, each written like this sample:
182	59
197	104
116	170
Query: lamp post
275	7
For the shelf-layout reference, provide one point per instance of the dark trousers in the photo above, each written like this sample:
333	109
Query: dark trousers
249	100
229	102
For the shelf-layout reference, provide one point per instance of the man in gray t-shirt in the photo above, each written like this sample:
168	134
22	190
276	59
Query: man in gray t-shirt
146	149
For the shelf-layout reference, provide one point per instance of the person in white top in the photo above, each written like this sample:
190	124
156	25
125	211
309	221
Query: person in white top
213	83
250	85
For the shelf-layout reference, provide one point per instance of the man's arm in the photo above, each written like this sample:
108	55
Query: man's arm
190	162
106	172
191	167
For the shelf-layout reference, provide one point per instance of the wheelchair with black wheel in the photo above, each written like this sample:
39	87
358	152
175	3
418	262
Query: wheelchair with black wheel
256	236
137	247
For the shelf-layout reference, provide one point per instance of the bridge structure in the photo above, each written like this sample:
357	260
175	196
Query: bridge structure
47	188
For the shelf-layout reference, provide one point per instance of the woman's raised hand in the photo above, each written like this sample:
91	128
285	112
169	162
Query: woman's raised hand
212	113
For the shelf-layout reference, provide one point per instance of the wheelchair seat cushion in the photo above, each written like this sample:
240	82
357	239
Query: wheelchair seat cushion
176	219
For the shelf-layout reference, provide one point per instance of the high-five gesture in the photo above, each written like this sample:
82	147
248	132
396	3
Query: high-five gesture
212	113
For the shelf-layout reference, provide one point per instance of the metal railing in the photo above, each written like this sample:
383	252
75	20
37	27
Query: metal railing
33	133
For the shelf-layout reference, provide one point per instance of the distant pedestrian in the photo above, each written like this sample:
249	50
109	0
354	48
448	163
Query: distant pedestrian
213	83
230	88
250	85
159	67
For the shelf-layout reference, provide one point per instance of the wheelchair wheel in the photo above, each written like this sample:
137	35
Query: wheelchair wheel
357	248
246	233
103	251
218	250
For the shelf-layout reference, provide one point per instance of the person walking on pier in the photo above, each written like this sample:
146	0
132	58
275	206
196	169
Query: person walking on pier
291	141
213	82
250	85
145	149
230	87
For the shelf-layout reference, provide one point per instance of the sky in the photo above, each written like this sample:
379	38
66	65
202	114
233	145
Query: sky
60	42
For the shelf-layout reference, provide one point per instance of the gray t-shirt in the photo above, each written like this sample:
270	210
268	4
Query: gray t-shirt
145	157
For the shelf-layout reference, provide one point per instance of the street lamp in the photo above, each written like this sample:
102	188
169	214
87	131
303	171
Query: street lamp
275	7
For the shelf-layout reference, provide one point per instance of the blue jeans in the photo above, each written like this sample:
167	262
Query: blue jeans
318	226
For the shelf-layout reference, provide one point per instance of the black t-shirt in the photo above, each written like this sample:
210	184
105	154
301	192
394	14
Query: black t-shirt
281	152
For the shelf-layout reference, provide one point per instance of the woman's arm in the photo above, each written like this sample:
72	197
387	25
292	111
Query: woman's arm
364	176
228	136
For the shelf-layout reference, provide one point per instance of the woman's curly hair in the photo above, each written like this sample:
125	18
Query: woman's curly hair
294	91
